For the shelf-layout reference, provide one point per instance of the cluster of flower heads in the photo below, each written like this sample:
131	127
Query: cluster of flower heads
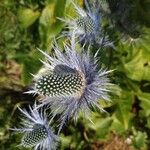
72	84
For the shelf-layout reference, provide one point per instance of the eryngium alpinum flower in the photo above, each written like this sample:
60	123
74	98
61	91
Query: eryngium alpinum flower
88	25
36	131
72	83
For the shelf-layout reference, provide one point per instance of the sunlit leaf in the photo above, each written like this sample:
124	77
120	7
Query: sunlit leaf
139	67
49	25
145	102
27	17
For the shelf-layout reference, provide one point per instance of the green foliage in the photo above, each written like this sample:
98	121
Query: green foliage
27	17
140	140
26	25
122	115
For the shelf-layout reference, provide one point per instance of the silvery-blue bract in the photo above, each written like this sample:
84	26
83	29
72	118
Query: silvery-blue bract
72	83
88	25
36	132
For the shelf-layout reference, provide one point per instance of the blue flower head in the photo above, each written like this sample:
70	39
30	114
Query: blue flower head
88	25
36	131
72	83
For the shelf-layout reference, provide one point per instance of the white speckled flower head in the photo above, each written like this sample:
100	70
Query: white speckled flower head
72	84
36	131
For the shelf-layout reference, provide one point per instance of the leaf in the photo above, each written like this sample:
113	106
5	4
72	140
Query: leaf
46	20
123	113
102	127
49	25
145	105
117	126
139	67
30	65
145	102
70	11
27	17
66	140
140	140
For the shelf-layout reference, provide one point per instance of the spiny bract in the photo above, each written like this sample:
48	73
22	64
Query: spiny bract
72	83
88	25
38	134
36	131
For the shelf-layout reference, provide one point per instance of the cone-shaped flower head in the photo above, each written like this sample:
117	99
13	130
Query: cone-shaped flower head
72	83
88	25
60	84
36	131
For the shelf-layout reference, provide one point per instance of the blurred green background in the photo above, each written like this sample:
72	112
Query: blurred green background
28	24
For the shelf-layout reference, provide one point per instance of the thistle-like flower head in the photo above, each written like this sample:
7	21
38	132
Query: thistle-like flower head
36	131
88	25
72	83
